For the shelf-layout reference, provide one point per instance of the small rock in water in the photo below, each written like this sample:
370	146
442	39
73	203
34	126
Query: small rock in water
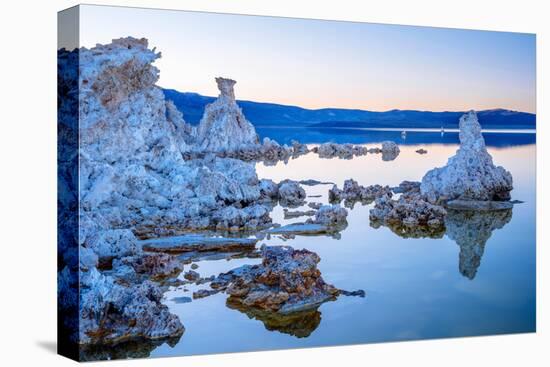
201	293
352	192
311	182
330	215
298	213
291	193
390	150
191	275
181	299
194	266
357	293
286	281
421	151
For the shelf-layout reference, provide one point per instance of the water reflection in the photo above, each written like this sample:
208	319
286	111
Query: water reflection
405	231
299	324
284	135
133	349
471	230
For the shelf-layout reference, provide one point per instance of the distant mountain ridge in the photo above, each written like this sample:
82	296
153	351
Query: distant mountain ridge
272	114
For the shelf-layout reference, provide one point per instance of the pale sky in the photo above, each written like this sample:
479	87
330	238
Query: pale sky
317	64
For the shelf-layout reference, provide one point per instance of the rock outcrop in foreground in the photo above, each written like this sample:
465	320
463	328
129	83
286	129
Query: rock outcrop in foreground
470	174
133	178
286	281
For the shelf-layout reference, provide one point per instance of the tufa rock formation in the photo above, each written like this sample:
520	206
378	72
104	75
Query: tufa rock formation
223	126
470	174
286	281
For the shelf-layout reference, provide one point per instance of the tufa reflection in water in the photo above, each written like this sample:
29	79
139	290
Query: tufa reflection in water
141	348
299	324
471	230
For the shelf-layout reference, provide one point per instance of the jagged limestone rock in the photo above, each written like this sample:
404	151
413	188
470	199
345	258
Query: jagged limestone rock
132	175
470	174
287	281
352	192
410	210
291	193
113	313
330	215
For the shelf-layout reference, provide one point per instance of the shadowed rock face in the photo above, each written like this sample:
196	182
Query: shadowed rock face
470	174
298	324
471	230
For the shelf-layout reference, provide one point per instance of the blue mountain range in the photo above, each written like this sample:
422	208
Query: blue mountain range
270	115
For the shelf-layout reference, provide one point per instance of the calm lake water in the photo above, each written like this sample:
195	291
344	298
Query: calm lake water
480	284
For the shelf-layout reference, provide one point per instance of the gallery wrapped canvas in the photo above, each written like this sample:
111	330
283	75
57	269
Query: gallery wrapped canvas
232	183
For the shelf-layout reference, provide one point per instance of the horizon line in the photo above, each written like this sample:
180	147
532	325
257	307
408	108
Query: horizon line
356	109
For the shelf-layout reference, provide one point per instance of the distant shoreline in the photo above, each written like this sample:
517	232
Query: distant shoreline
425	130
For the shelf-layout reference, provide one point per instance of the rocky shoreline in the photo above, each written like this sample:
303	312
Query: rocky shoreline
158	194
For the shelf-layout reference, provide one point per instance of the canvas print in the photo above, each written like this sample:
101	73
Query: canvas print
232	183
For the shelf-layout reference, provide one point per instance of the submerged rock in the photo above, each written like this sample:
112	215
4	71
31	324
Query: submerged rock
479	205
311	182
286	281
315	205
470	174
302	229
202	293
223	126
197	242
297	213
